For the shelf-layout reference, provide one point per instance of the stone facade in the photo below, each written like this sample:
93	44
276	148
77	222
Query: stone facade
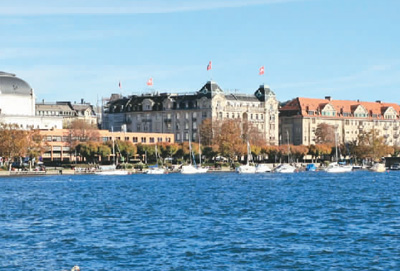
300	117
182	114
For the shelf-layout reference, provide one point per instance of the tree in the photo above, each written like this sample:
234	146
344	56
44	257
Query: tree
88	150
15	142
229	139
206	132
81	131
325	134
104	151
126	148
370	145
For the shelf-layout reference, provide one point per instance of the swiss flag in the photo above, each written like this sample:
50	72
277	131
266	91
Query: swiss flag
261	71
209	66
150	82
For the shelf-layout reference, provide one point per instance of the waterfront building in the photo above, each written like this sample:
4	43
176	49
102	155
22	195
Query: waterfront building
182	114
299	118
68	111
17	105
57	143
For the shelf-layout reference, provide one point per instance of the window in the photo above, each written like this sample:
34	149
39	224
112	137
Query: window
135	139
143	140
151	140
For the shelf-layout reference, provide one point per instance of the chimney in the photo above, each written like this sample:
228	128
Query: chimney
82	101
379	101
328	98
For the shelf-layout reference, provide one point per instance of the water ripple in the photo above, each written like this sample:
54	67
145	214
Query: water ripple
221	221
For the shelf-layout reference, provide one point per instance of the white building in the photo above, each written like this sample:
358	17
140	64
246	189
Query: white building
17	105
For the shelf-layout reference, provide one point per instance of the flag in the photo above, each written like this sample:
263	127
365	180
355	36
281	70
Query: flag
209	66
119	84
150	82
261	71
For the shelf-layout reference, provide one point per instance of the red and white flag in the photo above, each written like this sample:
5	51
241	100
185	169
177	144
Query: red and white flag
261	71
150	82
209	66
119	84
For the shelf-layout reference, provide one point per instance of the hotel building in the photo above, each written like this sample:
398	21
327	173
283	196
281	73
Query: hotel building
181	114
299	118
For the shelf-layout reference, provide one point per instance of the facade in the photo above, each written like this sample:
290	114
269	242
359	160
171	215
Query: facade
68	112
17	105
300	117
181	114
58	147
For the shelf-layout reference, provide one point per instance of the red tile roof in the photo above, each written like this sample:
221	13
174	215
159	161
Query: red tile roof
303	105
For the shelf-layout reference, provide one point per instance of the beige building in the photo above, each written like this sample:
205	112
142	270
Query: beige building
300	117
57	146
181	114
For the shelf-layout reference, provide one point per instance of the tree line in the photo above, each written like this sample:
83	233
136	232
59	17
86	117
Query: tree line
223	138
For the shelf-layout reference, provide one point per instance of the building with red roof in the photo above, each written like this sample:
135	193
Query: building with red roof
299	118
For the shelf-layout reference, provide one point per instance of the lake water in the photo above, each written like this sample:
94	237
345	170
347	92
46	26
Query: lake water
216	221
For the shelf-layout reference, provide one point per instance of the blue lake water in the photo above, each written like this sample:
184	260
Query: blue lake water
216	221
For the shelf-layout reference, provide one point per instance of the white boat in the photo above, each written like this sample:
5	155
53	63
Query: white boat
338	168
111	170
246	168
190	169
193	168
262	168
378	167
155	169
285	168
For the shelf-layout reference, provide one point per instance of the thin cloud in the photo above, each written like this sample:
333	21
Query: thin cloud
109	7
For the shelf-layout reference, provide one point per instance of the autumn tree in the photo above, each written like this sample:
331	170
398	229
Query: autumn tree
15	142
206	132
88	150
252	134
229	140
325	134
81	131
370	145
126	148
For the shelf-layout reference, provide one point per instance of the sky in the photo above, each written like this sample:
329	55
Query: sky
73	50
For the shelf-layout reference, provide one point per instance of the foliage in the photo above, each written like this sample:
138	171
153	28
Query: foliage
325	134
15	142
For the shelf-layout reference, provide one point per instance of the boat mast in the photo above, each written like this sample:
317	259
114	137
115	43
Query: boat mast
199	151
336	148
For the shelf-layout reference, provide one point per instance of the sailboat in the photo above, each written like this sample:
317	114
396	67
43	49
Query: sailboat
285	168
247	168
111	169
192	168
155	169
336	167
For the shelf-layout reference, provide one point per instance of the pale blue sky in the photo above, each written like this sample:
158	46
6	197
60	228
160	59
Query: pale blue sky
68	50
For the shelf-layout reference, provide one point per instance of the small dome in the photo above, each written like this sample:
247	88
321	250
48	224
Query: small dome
10	84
